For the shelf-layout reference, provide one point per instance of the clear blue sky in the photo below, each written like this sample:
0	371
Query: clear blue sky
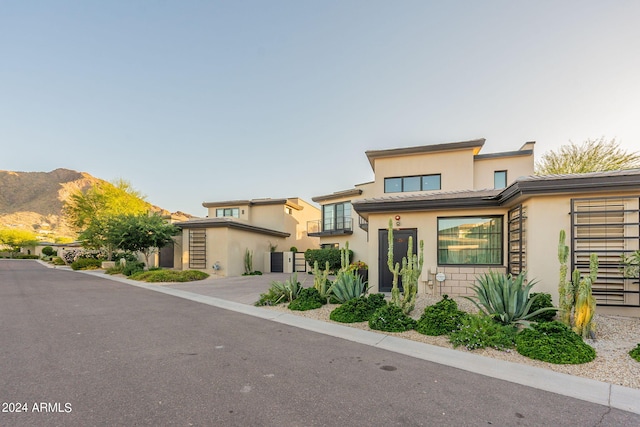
196	101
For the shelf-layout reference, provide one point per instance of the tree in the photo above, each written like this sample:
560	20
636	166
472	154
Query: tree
593	155
104	200
15	239
143	233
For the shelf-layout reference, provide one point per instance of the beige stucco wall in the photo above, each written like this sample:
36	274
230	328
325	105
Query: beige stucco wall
455	168
243	211
515	166
296	224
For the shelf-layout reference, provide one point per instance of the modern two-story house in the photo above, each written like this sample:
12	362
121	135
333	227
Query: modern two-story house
476	212
217	244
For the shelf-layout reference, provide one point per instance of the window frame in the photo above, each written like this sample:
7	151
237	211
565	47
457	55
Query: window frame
233	213
421	179
500	239
341	218
495	175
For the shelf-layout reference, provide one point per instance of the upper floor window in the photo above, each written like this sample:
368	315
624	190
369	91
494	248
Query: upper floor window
500	179
412	183
336	216
228	212
470	241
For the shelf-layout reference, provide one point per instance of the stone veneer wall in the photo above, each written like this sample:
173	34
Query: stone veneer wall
459	280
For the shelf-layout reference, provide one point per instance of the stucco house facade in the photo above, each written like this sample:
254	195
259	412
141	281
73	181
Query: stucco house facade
476	212
217	244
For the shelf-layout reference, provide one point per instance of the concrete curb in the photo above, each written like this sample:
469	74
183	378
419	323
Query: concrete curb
611	395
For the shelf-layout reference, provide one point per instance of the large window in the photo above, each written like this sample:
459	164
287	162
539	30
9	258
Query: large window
412	183
336	216
228	212
470	241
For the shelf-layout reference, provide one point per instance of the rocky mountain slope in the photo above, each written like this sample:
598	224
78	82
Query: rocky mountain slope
34	200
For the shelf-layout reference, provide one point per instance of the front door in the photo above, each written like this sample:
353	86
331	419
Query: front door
400	246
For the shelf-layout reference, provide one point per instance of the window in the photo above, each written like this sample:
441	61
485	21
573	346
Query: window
500	179
470	241
412	183
336	217
329	246
227	212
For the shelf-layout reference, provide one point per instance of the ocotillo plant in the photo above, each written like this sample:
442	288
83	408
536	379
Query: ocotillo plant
410	272
566	289
585	303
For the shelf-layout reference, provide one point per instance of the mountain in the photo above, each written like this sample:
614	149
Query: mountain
34	200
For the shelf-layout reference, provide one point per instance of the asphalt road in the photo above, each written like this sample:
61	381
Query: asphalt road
77	350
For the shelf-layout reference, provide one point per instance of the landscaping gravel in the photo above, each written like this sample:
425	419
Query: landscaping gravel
615	337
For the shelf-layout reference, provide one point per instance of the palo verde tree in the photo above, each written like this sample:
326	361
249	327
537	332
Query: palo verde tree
142	233
593	155
14	239
94	212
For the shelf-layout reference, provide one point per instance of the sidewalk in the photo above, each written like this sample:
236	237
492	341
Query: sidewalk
239	293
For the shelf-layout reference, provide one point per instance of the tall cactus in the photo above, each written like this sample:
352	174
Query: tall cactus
410	272
585	302
320	280
565	289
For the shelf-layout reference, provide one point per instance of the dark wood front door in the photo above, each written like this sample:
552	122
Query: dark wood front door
400	246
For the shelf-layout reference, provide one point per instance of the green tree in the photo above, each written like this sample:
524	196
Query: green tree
143	233
593	155
14	239
104	200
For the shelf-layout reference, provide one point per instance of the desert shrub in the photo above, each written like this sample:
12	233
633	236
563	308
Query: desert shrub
86	264
115	270
441	318
347	286
157	276
505	298
308	299
48	251
481	331
281	292
57	261
635	353
554	342
358	309
332	255
390	318
132	267
541	300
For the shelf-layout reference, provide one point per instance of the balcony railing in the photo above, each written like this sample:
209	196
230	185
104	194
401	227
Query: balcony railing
363	223
330	227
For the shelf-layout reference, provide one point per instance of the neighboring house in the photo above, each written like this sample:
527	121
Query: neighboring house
217	244
477	212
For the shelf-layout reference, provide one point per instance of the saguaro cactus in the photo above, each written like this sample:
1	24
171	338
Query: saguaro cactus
410	272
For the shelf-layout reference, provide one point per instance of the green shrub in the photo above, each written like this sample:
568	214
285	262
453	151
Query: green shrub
505	298
57	261
390	318
635	353
48	251
281	291
441	318
86	264
541	300
308	299
132	267
554	342
480	331
25	256
115	270
358	309
157	276
332	255
347	286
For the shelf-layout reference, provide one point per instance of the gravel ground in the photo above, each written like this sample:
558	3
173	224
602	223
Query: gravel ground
615	337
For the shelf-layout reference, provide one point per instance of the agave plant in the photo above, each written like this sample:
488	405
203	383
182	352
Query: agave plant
348	285
505	298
